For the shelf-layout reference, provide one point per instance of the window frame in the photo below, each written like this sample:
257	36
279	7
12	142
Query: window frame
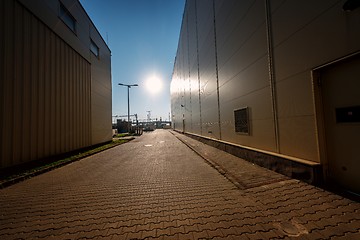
93	46
67	18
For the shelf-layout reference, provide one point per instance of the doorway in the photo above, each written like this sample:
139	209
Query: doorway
339	84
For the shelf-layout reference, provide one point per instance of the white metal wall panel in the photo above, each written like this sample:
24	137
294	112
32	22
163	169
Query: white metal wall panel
243	72
193	68
265	52
184	118
207	68
306	37
175	94
186	106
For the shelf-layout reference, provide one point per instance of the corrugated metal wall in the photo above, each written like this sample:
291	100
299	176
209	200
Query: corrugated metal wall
45	90
101	92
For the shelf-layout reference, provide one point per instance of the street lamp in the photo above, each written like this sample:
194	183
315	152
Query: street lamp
128	87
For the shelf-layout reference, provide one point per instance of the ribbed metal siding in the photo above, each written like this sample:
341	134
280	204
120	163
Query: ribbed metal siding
45	90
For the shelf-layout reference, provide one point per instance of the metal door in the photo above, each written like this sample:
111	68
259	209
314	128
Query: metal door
340	88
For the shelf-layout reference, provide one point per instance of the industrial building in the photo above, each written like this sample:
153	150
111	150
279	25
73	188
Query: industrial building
274	82
55	86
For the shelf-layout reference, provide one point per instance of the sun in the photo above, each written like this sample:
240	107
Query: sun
154	85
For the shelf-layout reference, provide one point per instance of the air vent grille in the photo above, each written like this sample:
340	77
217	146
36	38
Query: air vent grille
242	121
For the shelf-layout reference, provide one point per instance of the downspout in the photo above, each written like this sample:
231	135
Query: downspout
272	79
217	73
188	52
198	65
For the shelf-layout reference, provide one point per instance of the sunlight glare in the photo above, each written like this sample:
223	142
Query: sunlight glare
154	85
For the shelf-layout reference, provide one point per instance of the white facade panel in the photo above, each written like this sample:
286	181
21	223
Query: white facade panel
261	55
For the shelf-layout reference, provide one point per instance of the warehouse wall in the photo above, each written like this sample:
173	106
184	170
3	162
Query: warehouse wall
239	61
244	72
258	55
100	65
50	83
306	37
101	93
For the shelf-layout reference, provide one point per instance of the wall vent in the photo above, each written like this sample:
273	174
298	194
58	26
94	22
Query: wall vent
242	121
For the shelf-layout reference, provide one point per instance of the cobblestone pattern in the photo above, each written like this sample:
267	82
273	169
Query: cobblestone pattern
296	208
322	215
151	188
157	188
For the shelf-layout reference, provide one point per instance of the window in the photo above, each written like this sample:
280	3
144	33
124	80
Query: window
242	121
67	18
94	48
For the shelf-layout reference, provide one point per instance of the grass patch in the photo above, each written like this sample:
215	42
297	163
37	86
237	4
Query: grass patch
122	135
18	173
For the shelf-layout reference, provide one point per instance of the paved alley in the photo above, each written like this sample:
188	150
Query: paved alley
157	187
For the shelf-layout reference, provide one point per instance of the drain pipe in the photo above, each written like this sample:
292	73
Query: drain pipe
217	72
198	66
272	79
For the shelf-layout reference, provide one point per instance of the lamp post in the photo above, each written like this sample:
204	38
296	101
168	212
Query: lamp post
128	87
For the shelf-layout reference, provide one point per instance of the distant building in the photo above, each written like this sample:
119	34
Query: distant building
275	82
122	126
55	87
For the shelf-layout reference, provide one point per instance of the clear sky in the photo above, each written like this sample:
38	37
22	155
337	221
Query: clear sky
143	37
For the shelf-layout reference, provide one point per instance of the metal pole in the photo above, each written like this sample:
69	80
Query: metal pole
128	98
129	126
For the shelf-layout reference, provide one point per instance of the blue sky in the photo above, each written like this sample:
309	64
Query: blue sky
143	37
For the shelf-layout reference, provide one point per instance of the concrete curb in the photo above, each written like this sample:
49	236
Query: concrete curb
214	165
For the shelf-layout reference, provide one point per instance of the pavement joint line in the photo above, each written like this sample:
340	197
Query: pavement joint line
225	173
213	165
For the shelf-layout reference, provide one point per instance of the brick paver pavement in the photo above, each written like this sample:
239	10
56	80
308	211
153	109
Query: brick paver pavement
155	187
